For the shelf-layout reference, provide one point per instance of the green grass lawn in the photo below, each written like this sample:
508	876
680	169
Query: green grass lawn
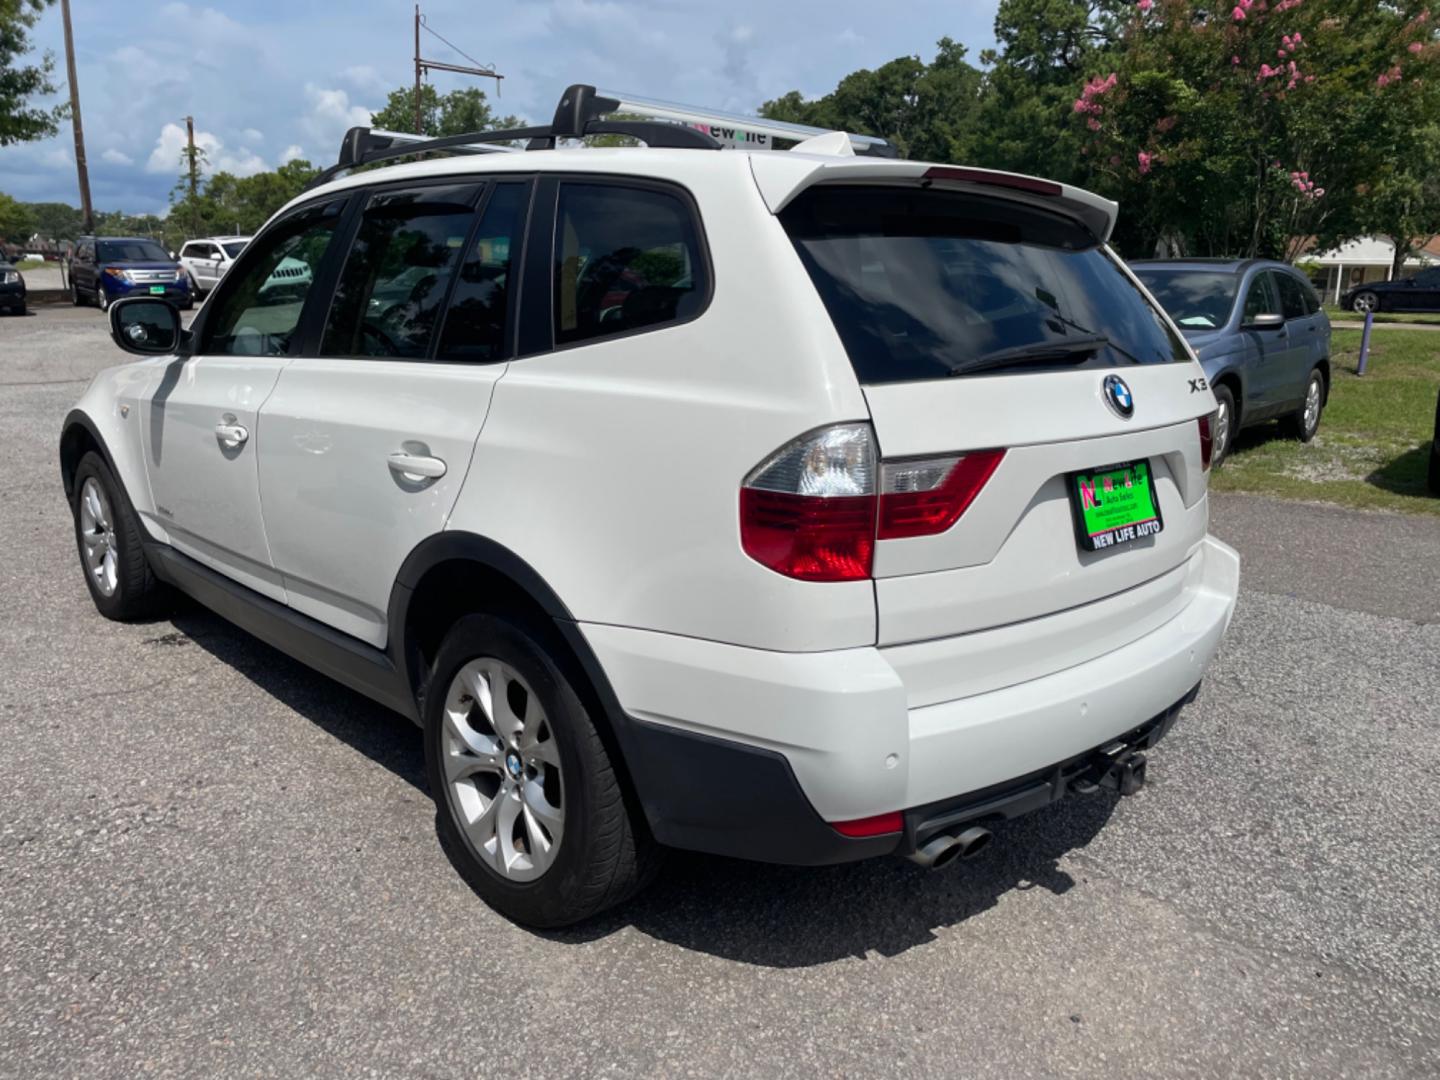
1373	447
1340	315
30	264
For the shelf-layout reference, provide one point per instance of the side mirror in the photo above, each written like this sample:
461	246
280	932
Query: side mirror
1268	321
145	326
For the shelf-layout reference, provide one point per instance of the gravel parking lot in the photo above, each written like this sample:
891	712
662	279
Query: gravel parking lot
214	862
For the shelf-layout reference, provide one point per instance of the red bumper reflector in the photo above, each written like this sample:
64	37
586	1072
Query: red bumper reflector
878	825
1207	440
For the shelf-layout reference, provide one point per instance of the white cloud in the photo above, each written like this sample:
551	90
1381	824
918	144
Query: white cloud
252	136
115	157
167	157
291	152
331	114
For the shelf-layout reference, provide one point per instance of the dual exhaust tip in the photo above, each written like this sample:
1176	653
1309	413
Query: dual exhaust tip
947	848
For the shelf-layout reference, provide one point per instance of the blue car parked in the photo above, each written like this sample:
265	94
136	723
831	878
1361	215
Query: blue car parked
1260	334
108	268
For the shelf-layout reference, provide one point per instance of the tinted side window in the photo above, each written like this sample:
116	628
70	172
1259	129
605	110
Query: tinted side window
1292	299
1428	278
625	258
1260	299
477	322
260	303
398	272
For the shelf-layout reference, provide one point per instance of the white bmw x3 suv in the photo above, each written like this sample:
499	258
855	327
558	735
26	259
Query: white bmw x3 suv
797	506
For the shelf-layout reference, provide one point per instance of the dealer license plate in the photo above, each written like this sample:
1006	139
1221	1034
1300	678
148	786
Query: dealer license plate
1115	505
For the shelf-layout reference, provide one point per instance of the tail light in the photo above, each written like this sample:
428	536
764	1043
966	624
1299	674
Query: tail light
814	509
808	510
925	497
1207	440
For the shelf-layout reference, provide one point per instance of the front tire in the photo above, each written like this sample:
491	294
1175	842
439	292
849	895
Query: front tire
110	542
1365	301
528	804
102	298
1305	421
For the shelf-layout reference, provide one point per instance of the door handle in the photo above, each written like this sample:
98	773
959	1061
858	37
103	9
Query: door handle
230	433
415	467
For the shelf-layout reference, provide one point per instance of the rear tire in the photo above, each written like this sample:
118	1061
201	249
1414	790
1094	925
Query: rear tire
528	805
1305	421
75	295
1365	301
110	543
1225	425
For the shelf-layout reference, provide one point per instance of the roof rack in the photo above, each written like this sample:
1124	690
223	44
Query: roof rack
579	114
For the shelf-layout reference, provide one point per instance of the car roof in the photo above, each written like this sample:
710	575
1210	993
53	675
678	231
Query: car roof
1214	266
780	175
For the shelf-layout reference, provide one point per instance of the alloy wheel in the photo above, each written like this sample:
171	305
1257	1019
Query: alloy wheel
502	770
1222	428
1312	404
1365	302
97	537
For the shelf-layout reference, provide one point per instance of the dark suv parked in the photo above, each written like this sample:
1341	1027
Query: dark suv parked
107	268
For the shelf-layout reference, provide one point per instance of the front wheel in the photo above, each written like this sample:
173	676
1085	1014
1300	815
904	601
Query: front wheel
109	539
102	298
528	804
1305	421
1365	301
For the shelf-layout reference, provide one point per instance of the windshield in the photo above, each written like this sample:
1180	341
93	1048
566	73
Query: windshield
925	284
233	249
131	251
1195	299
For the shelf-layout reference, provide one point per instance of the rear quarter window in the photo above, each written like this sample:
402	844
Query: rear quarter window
927	284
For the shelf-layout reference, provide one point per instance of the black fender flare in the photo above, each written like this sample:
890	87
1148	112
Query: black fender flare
458	545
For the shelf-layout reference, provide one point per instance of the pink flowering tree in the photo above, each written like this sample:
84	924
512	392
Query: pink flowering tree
1255	127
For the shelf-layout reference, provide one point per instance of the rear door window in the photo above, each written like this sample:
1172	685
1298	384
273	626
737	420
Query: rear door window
397	275
626	258
1292	296
927	284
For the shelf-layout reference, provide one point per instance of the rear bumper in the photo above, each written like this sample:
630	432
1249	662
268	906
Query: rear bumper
838	726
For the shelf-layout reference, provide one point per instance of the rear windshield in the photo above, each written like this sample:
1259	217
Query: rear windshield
131	251
1195	299
926	284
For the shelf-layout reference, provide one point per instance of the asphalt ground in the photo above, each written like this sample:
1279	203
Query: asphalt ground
215	862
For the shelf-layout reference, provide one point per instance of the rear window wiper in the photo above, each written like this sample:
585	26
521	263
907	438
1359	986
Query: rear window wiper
1035	352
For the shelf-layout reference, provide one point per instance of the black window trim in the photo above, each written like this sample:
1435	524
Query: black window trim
201	325
1299	283
537	343
314	333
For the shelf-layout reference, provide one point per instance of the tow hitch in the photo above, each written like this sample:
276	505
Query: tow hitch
1118	767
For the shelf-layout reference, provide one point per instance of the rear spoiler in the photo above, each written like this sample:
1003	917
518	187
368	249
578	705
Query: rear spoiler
781	177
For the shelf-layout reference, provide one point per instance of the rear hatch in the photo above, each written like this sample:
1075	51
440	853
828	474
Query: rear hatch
991	330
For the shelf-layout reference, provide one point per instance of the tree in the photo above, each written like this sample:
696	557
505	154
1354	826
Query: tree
56	221
927	110
455	113
17	222
19	120
1248	129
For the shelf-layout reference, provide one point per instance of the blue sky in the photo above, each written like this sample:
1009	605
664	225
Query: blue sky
271	79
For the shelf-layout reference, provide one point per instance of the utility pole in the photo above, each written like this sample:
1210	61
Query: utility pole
422	65
87	212
194	188
418	129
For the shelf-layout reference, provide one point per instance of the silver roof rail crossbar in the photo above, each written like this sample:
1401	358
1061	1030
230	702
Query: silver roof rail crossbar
405	138
737	129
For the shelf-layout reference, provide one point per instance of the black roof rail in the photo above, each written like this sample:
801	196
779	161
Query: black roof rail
577	115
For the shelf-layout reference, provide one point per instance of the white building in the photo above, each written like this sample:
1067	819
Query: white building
1366	259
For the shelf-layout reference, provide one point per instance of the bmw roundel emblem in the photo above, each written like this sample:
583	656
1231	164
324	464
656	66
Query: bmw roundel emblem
1118	396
